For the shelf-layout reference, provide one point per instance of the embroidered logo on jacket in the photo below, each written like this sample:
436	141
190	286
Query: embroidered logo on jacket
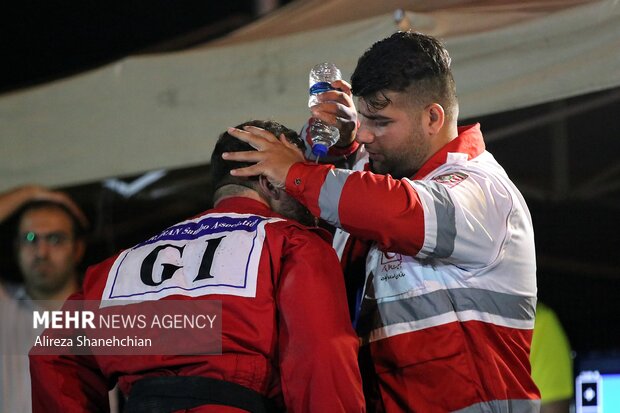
391	264
451	180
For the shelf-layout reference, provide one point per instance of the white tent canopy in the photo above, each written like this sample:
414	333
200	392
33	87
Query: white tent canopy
165	111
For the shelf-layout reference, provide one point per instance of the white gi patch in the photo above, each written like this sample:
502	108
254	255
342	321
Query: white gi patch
212	254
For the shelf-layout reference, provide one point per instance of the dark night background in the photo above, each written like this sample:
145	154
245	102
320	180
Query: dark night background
577	237
47	40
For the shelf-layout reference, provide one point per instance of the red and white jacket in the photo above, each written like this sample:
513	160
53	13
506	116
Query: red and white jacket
449	301
285	334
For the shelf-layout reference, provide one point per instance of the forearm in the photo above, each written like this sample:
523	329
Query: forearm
369	206
12	200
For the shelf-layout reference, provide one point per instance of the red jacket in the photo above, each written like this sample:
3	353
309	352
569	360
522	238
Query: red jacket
448	308
290	339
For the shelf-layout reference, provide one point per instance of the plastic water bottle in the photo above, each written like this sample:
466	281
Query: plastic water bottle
323	136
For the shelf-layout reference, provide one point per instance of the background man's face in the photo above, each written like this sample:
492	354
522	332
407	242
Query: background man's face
47	251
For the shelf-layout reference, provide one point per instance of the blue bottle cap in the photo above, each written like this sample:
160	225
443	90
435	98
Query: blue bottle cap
320	87
319	150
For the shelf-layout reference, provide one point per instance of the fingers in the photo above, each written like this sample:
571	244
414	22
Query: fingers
334	104
257	138
328	118
329	108
332	113
288	144
252	170
253	136
335	96
343	86
260	132
273	156
246	156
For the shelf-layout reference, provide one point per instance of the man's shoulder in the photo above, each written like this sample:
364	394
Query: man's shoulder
12	291
297	229
483	168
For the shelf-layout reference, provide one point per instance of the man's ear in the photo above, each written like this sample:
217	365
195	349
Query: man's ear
267	189
433	118
79	248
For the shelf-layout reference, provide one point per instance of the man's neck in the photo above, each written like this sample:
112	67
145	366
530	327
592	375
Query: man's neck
231	191
58	295
446	135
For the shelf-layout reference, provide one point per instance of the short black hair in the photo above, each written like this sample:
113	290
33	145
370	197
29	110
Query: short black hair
78	228
220	168
402	61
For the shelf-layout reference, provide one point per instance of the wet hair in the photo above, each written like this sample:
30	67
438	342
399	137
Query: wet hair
409	62
220	168
79	228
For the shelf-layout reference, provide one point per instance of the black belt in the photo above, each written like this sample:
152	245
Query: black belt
170	393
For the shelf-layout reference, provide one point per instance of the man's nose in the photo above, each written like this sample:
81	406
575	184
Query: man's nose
364	134
42	248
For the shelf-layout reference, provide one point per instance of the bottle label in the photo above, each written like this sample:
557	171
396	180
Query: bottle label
320	87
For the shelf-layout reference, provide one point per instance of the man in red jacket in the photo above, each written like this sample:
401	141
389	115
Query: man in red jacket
287	343
441	239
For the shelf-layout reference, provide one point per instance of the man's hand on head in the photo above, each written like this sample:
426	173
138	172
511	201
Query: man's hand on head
273	156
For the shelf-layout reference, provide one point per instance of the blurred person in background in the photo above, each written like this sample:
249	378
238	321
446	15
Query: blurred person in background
49	245
552	363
